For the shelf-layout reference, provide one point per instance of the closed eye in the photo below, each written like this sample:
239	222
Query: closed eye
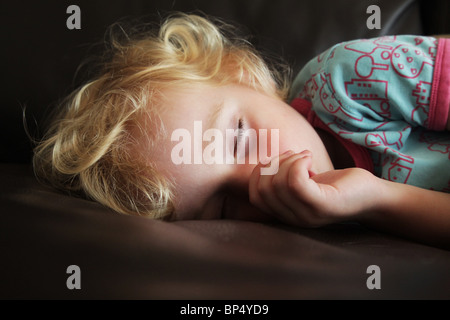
238	141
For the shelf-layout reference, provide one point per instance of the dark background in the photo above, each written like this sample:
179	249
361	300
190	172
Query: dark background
40	55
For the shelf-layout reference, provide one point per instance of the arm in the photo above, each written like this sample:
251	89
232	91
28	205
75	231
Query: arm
295	196
412	212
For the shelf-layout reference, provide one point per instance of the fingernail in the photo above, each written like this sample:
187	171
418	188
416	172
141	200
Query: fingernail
306	153
287	153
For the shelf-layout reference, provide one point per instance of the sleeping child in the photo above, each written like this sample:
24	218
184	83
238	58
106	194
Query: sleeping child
190	122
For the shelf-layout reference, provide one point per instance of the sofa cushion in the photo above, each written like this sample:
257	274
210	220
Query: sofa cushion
124	257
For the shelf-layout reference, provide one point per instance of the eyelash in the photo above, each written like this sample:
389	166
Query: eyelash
240	134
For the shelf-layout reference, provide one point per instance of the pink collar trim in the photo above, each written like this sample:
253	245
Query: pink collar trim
360	155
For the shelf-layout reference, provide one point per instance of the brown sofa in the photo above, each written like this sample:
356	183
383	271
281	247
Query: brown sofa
43	232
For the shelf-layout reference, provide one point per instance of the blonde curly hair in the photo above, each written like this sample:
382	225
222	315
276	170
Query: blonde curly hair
87	149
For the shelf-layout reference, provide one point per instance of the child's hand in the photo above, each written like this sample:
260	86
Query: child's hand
299	197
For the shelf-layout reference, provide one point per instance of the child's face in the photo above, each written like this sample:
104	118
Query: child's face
220	190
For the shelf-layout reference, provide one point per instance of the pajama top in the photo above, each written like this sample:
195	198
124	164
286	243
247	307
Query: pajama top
387	101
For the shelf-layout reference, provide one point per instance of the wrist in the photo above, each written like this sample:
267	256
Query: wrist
385	195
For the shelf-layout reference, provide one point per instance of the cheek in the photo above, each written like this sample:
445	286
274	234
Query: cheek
294	131
297	135
289	139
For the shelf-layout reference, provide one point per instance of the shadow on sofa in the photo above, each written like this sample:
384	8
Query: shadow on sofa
43	232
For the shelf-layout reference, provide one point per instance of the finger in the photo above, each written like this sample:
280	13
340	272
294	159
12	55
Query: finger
281	180
261	192
266	190
299	182
295	172
254	196
283	190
